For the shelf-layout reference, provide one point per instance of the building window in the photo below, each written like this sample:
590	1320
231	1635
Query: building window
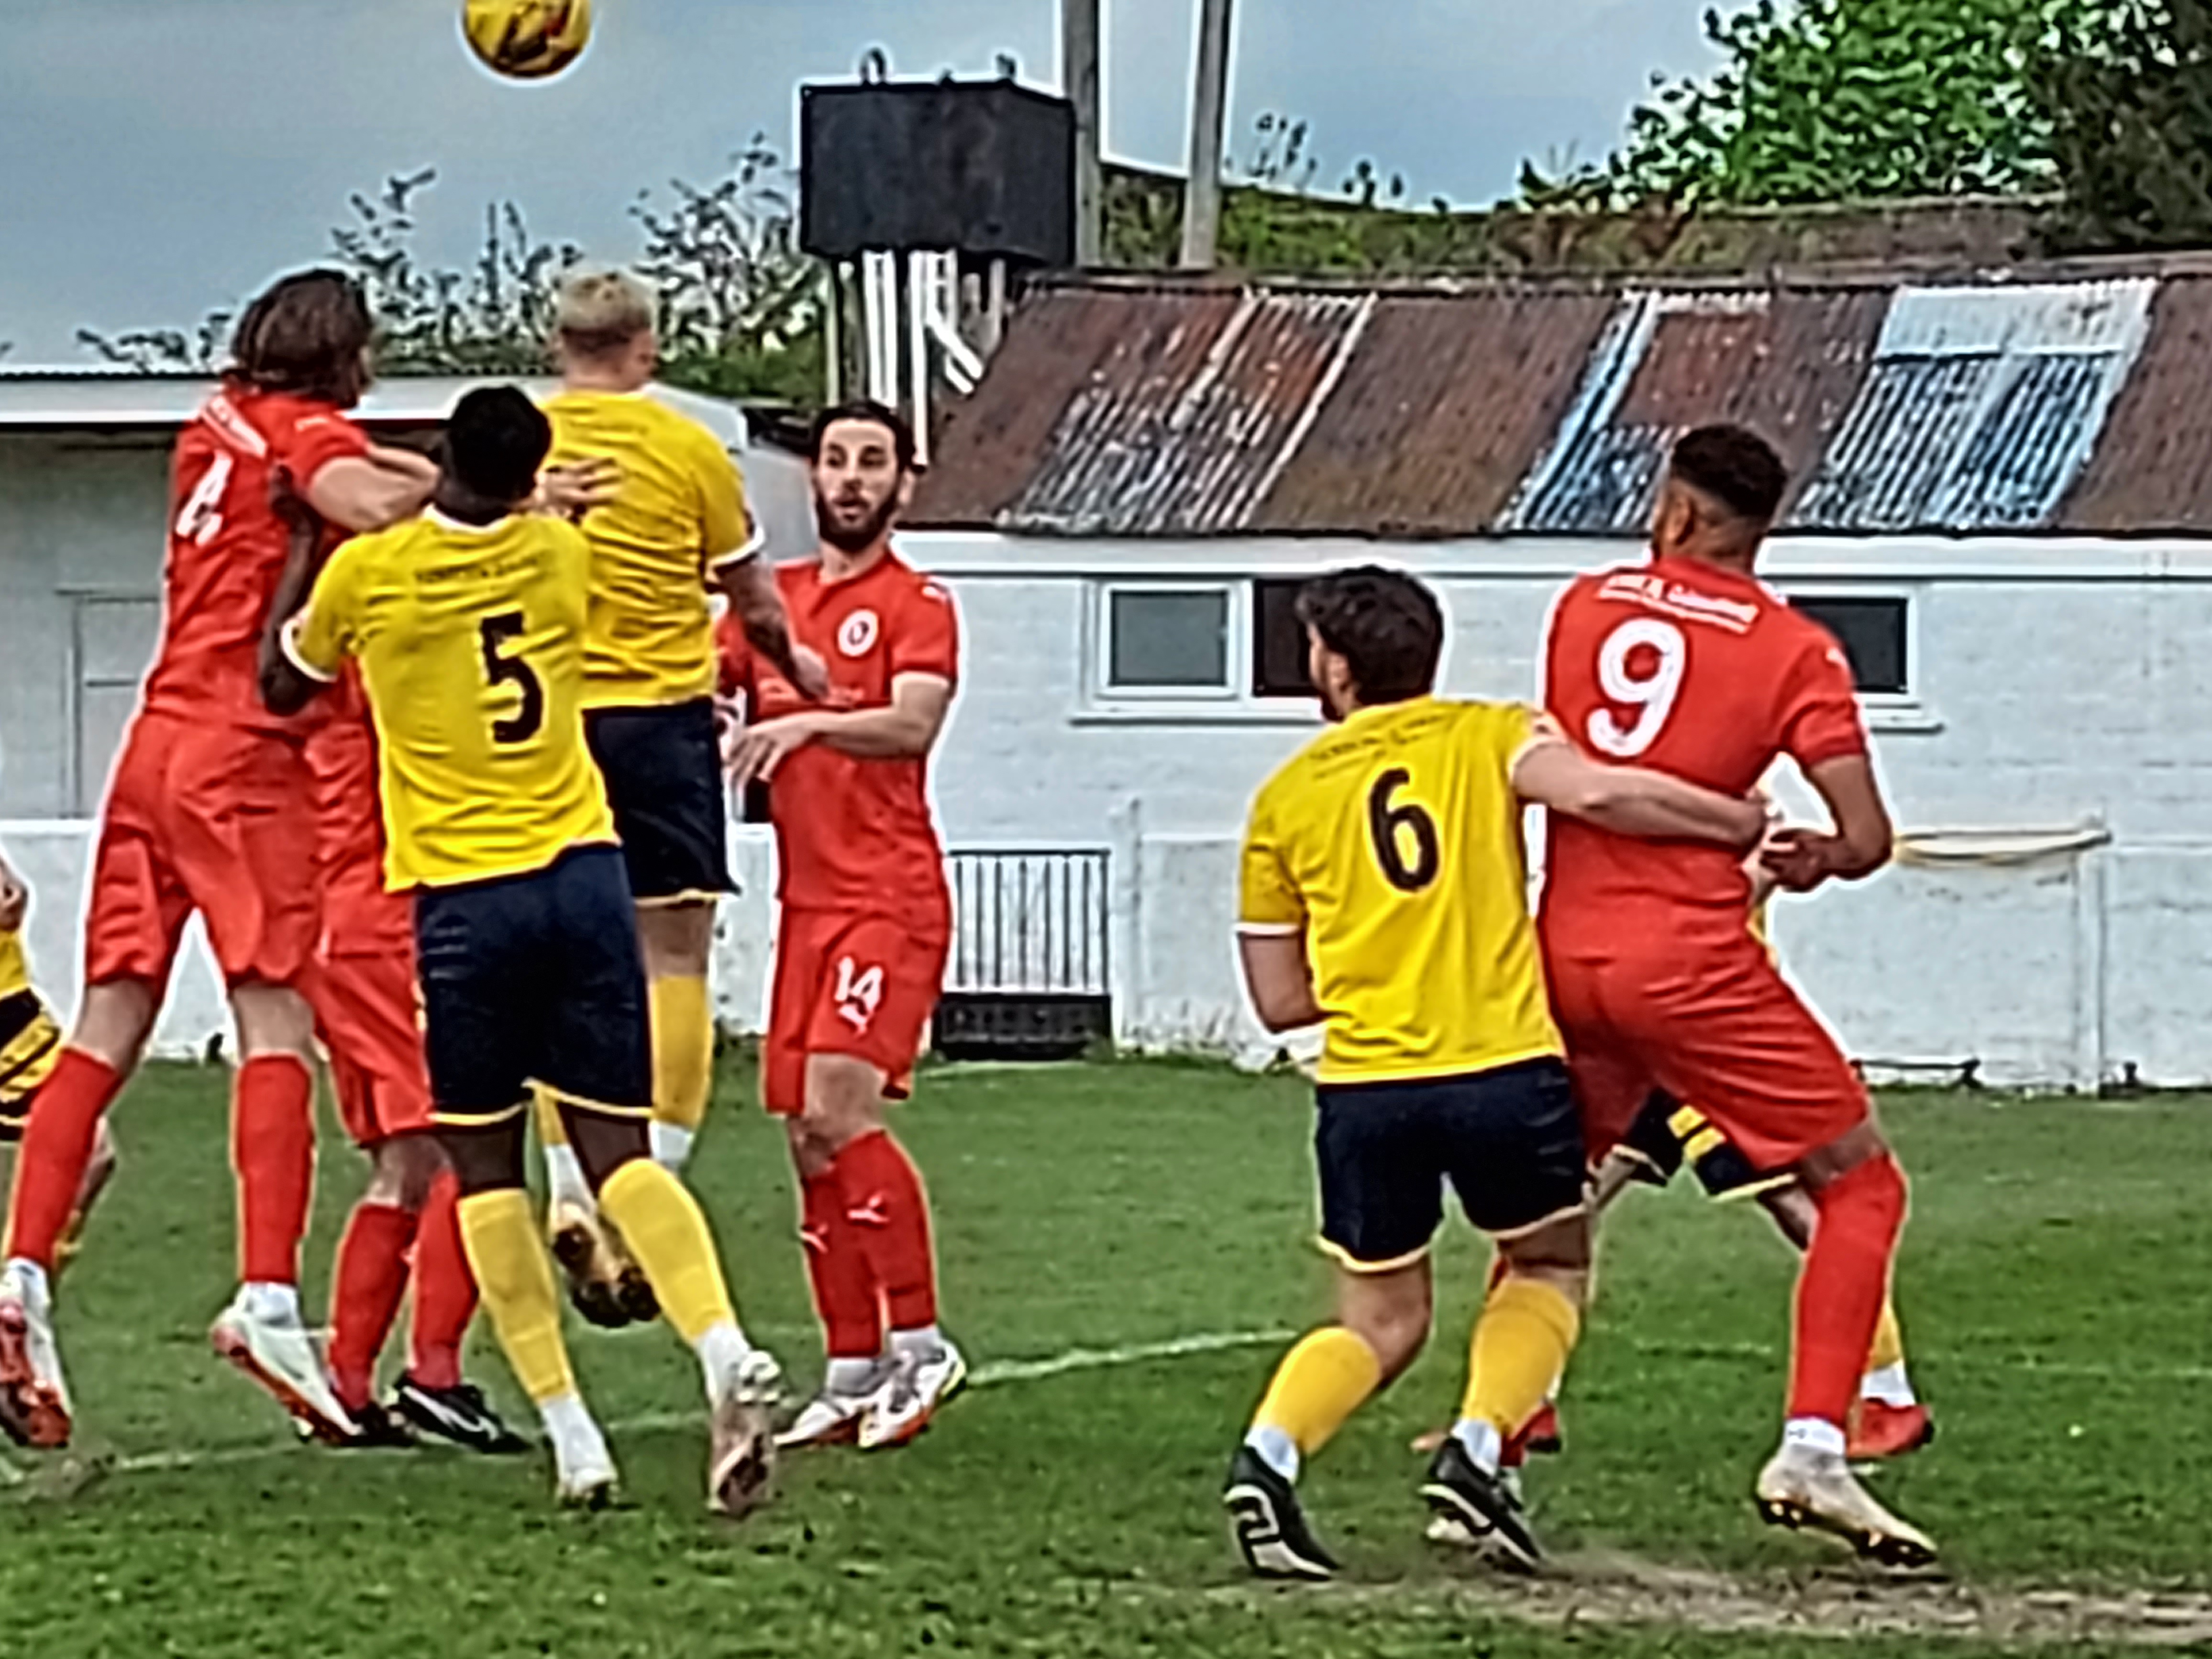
1278	641
1875	632
1171	641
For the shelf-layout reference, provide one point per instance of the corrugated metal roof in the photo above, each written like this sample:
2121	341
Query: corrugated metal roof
1159	411
1984	405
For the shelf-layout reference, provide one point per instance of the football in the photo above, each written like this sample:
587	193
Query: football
527	40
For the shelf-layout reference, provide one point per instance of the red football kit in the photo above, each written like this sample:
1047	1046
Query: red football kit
867	915
1709	676
362	983
202	810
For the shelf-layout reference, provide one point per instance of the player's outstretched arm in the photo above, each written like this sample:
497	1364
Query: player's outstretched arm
759	606
1800	860
284	689
373	491
1278	979
1630	801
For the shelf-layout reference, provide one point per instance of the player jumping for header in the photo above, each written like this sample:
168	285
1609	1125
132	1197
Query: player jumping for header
469	625
1687	664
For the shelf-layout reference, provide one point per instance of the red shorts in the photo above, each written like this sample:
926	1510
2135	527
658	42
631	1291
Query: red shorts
862	986
207	818
368	1015
1716	1024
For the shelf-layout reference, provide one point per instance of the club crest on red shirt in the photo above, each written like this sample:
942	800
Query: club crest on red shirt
856	634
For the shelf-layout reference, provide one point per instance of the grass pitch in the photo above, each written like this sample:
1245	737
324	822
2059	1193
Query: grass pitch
1124	1248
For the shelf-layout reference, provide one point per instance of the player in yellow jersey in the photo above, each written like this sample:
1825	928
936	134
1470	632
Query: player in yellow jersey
677	522
30	1043
468	623
1385	897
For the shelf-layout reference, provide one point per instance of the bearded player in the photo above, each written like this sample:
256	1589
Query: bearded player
866	921
201	816
676	522
1688	666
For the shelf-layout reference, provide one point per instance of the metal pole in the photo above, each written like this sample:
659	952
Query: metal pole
1209	116
1079	82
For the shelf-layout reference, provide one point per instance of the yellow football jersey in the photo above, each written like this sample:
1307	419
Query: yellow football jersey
30	1042
678	511
470	640
1393	843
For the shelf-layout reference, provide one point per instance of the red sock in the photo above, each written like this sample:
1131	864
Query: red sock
57	1146
889	1213
272	1147
1840	1288
371	1277
445	1289
845	1293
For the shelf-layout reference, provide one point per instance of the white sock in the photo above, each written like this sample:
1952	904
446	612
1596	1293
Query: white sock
852	1377
1889	1385
1275	1448
573	1431
564	1176
671	1146
1813	1434
274	1304
924	1343
38	1290
1481	1442
721	1350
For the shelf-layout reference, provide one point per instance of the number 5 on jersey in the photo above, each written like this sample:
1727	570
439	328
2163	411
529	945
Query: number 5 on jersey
493	633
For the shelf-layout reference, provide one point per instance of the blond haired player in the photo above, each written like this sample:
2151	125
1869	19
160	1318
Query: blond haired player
469	626
1383	894
677	522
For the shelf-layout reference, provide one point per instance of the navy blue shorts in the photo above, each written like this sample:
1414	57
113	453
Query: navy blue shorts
1508	1142
534	979
663	768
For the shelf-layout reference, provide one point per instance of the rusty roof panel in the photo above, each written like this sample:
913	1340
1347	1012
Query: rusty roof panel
2153	469
1060	341
1984	406
1788	365
1439	414
1188	441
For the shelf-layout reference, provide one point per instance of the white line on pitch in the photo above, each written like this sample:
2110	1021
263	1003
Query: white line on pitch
994	1374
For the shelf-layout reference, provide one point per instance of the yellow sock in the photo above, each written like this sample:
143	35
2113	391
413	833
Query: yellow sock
1518	1353
546	1109
668	1232
1888	1340
1320	1383
683	1051
516	1281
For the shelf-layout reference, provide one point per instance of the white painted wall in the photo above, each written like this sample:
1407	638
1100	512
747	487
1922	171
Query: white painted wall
2057	683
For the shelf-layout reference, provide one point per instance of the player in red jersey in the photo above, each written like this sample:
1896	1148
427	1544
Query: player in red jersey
367	1015
866	921
201	816
1687	664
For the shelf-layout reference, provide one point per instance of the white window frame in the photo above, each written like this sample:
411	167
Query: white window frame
1884	711
1231	704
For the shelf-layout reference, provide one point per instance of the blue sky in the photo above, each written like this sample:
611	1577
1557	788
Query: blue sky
167	156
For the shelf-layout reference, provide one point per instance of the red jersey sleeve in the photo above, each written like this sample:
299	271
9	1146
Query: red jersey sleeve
314	441
927	639
1821	719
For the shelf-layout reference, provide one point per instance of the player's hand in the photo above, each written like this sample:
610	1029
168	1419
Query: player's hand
572	491
760	750
15	899
1798	860
813	674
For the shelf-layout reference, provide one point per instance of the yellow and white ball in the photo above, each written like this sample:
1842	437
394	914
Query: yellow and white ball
527	40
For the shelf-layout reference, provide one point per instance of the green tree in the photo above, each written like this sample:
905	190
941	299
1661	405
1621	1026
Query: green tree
1830	101
741	306
2131	113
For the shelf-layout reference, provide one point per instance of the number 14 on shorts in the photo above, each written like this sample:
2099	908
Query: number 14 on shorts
859	992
